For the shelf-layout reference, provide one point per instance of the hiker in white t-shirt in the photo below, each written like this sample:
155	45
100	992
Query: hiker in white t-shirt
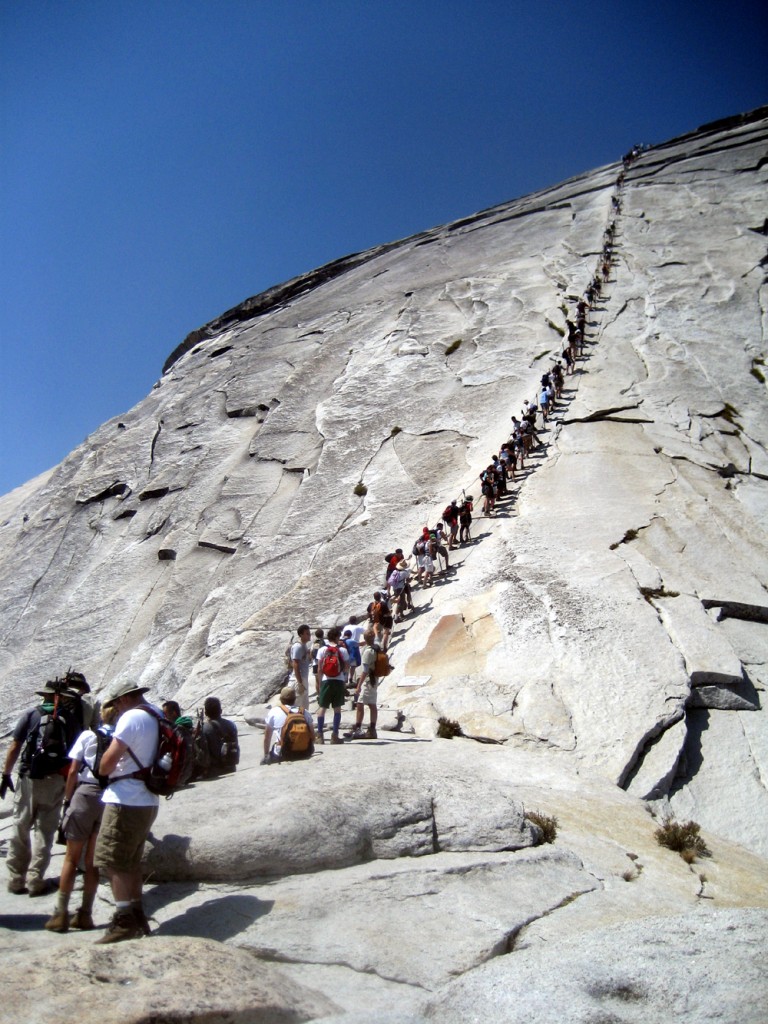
275	720
130	810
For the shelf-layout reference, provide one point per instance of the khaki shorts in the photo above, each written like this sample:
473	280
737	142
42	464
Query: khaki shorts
124	831
85	811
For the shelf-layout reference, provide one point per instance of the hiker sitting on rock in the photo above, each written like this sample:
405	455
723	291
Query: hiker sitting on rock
289	734
220	737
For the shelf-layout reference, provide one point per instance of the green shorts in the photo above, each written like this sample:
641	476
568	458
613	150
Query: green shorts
123	832
332	693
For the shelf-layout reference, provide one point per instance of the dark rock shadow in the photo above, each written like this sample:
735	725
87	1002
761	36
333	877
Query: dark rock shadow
691	756
220	919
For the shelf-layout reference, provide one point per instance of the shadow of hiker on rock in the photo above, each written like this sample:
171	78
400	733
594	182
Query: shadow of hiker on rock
220	918
24	922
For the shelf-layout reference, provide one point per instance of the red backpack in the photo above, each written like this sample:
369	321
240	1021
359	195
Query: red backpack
174	761
332	663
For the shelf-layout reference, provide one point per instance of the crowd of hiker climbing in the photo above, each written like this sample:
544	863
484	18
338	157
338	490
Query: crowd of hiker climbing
92	775
333	661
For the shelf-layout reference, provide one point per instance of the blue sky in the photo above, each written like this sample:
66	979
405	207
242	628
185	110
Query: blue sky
162	161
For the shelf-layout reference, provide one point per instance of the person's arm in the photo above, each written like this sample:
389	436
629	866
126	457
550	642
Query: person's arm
268	730
308	719
12	757
111	756
72	778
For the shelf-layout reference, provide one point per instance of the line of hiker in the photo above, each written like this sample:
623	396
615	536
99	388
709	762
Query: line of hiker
333	659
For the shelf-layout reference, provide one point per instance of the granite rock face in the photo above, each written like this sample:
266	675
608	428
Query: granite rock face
602	642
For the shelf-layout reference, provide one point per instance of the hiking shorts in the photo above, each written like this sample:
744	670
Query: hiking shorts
367	692
332	693
84	814
124	831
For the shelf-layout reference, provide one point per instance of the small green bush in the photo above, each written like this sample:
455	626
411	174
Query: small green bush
683	838
555	327
453	346
360	489
447	728
546	824
395	431
758	374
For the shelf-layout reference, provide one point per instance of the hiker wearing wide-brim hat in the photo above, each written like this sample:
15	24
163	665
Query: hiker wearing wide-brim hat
50	690
76	681
40	746
130	809
126	690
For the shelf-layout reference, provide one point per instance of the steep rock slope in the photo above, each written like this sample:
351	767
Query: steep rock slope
604	634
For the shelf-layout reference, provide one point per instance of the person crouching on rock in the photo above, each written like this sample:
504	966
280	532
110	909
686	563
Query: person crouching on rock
220	737
291	743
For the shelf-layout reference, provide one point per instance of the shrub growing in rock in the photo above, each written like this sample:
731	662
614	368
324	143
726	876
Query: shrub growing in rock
447	728
453	346
360	489
683	838
546	824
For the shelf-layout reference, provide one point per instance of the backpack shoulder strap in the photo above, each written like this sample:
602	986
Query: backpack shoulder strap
142	767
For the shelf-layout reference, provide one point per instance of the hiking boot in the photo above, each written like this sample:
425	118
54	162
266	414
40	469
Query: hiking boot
319	738
371	733
142	920
122	926
336	739
43	887
82	919
59	922
17	886
354	734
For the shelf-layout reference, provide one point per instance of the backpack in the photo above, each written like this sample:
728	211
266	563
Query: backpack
103	740
229	756
382	666
332	663
174	760
47	746
295	736
202	754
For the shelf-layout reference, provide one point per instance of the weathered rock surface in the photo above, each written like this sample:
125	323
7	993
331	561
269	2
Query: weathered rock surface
161	980
696	967
605	634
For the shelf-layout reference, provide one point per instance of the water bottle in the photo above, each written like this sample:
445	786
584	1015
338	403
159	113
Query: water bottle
165	762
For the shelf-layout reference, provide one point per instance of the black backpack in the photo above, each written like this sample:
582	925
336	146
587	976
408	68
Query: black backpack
48	743
229	756
103	739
